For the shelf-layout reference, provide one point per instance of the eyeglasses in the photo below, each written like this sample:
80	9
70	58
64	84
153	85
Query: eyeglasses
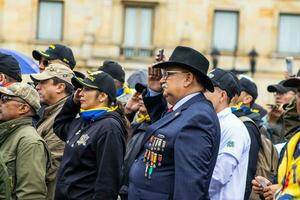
165	74
44	62
5	99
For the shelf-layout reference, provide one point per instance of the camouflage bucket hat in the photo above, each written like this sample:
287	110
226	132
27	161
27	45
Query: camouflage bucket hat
25	92
54	70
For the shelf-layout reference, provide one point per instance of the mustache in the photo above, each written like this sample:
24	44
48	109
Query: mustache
164	86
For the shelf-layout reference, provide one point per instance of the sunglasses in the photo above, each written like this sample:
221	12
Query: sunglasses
5	99
45	63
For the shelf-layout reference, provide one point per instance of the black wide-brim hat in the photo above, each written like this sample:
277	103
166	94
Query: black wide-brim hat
191	60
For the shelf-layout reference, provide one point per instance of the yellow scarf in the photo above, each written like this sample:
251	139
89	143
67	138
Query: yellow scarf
289	172
128	90
143	118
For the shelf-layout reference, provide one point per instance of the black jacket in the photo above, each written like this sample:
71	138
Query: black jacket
93	156
133	147
254	148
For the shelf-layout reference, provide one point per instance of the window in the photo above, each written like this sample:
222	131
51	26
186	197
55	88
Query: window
50	21
289	34
137	33
225	34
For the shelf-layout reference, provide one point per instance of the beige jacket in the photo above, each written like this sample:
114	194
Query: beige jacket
55	145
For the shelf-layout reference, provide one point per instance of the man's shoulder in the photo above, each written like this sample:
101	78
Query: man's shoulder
28	133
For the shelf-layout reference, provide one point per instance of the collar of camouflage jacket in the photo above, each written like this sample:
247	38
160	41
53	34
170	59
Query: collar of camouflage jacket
9	127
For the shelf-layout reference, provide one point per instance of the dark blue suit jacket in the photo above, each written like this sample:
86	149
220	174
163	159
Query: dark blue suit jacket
192	135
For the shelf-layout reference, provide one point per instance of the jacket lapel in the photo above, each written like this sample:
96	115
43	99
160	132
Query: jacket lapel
167	118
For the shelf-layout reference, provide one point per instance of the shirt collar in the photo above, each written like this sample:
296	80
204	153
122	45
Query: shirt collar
183	100
224	112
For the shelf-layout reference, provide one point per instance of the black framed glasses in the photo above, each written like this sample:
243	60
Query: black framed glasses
165	74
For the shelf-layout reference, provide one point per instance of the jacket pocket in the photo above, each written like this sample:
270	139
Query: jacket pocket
10	162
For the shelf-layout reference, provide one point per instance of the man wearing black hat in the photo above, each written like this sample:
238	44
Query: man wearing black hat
116	71
10	71
56	53
229	176
180	147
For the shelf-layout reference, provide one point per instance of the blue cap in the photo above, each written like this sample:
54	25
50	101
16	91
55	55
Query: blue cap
249	86
226	81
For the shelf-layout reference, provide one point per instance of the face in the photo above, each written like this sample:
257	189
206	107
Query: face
10	107
47	92
245	98
298	100
283	98
44	62
289	96
216	97
172	81
89	98
279	98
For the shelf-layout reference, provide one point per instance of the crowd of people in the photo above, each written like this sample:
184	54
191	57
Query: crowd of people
178	131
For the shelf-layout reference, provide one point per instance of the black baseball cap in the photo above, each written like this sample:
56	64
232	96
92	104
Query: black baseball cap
10	66
292	82
249	86
114	69
97	80
226	81
279	88
56	51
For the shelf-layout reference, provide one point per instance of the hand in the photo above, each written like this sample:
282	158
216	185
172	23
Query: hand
257	186
269	191
154	76
275	114
76	97
133	104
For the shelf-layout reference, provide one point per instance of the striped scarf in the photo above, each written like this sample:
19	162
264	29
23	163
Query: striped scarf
91	115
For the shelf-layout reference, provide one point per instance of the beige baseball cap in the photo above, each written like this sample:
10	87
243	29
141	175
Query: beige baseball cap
25	92
54	70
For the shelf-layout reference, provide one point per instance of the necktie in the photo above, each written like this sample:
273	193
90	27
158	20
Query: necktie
170	109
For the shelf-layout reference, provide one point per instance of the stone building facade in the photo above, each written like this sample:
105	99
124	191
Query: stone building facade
131	31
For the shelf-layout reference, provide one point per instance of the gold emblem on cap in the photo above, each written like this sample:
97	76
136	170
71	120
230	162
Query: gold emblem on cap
66	60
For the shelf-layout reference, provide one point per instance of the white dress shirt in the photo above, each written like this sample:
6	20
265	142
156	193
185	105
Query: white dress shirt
230	173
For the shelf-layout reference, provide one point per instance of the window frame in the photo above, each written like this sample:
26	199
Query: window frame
226	51
62	20
136	49
278	34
